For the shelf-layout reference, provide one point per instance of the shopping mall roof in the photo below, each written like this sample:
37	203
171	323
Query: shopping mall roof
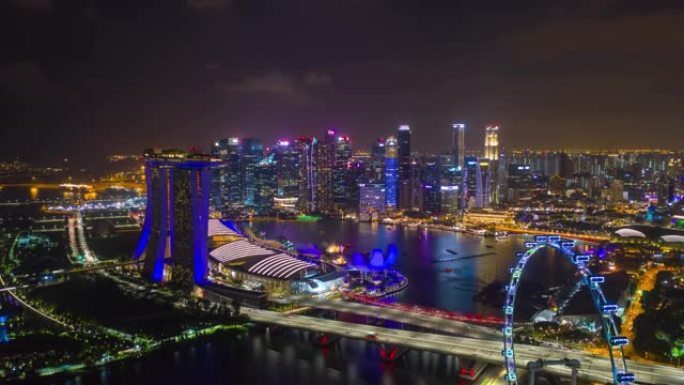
282	266
218	227
238	250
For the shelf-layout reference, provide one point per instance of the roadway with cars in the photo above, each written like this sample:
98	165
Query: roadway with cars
593	368
433	322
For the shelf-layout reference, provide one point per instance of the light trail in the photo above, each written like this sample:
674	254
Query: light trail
34	309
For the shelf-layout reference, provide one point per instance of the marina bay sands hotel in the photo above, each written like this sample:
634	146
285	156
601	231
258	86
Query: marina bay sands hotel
173	240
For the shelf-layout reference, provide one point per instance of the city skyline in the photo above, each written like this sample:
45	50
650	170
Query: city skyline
89	79
341	192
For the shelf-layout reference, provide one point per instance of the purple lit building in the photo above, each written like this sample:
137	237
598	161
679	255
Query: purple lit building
173	241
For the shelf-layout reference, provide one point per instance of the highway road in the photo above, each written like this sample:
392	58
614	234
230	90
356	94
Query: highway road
593	368
433	322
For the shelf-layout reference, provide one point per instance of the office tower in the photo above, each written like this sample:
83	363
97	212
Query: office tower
416	187
458	145
376	166
500	178
391	172
252	154
307	192
469	181
521	181
372	200
265	184
665	189
227	186
173	240
404	152
287	169
616	191
431	183
323	165
450	199
340	173
356	174
483	183
491	146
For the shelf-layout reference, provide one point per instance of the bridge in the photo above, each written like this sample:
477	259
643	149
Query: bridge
593	368
428	321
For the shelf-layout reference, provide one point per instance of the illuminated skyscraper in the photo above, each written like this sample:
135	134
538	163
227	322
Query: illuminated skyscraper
266	184
307	192
340	173
372	199
227	188
491	146
431	185
376	166
404	184
287	165
323	160
173	240
391	172
252	154
458	145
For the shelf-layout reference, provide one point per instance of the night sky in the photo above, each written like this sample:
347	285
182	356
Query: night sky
88	78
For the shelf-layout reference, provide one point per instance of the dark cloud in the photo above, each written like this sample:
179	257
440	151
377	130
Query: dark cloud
208	5
567	73
27	82
34	5
315	78
18	78
289	89
271	83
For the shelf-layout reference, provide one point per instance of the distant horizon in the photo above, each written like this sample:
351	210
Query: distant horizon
88	79
503	149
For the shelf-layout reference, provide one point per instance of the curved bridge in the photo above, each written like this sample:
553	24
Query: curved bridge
606	310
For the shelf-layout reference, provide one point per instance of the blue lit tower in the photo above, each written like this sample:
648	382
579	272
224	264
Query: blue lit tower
391	172
174	236
458	145
404	184
431	185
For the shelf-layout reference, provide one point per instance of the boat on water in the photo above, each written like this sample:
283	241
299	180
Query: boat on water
452	252
489	246
448	270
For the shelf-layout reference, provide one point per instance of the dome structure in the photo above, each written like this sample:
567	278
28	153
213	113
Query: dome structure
672	238
630	233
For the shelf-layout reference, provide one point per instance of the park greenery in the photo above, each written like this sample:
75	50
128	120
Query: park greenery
659	329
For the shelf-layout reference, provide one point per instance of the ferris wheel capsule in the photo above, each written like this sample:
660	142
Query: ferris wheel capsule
625	378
